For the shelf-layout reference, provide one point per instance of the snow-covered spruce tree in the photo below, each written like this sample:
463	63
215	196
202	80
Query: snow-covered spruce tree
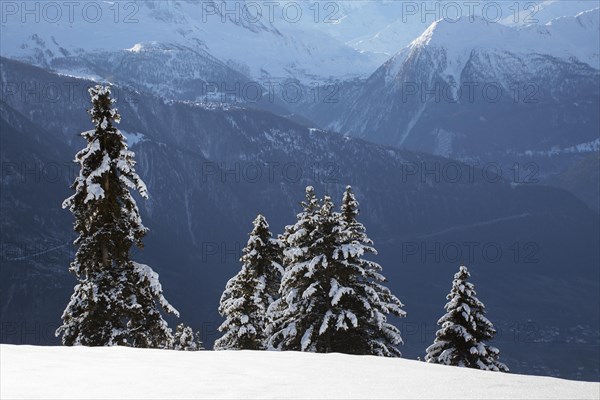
249	294
296	241
464	330
331	297
116	301
362	291
186	339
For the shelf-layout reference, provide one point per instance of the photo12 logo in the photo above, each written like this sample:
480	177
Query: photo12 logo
454	11
455	172
425	252
269	172
470	92
506	331
271	91
74	92
263	12
37	172
59	12
30	332
255	12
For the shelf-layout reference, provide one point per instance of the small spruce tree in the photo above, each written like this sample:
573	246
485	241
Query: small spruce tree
461	341
249	294
116	301
186	339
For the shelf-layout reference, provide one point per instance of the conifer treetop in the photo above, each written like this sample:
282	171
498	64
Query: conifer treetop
105	152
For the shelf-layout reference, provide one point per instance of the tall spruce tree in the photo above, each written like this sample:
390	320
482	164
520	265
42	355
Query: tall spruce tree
367	297
116	300
464	330
296	241
249	294
331	297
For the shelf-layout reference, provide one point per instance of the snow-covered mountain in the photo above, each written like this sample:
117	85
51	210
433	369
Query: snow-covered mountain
444	91
488	92
223	51
263	47
124	373
309	42
567	38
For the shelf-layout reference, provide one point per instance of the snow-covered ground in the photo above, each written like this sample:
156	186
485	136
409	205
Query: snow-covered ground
115	372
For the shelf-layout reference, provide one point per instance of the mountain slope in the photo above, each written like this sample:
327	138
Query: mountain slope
583	179
253	374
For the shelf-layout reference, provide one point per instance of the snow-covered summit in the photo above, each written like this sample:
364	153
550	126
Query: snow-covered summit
577	36
385	27
452	44
464	32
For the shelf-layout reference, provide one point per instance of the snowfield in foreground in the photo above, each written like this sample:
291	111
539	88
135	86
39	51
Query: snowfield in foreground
117	372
